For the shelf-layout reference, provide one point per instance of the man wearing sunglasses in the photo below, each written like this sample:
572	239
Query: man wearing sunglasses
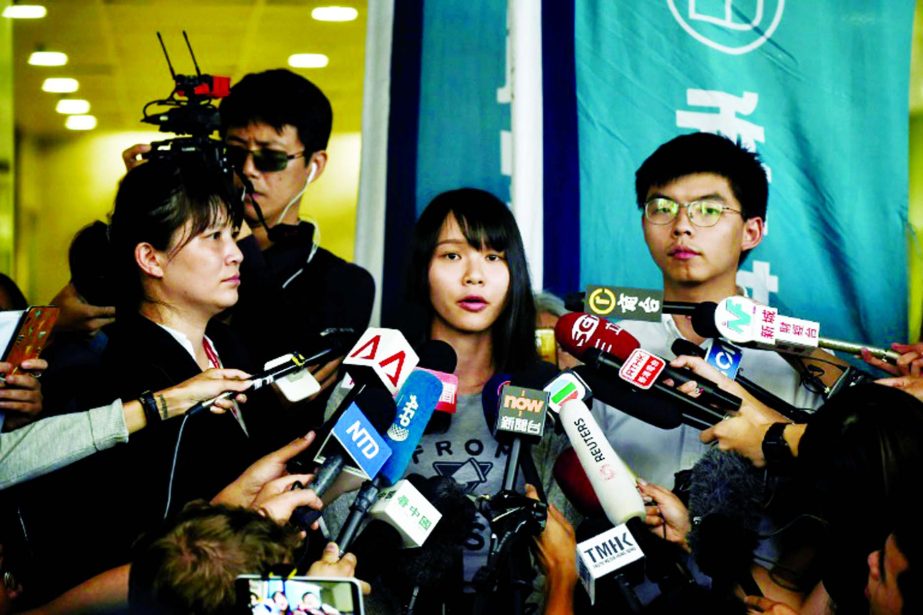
702	201
276	125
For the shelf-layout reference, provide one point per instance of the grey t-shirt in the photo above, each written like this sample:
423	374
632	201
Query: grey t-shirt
469	454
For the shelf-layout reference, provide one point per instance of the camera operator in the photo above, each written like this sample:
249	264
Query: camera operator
276	125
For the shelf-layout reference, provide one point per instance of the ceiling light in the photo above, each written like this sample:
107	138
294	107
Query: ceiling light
60	85
308	60
73	106
334	13
48	58
80	122
24	11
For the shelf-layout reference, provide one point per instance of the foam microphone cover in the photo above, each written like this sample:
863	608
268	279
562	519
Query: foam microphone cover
439	560
439	357
685	347
726	494
703	319
376	548
575	485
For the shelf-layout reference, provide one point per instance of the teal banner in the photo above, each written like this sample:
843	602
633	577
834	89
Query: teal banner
819	89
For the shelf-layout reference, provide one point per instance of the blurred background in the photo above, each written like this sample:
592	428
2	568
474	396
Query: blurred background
59	172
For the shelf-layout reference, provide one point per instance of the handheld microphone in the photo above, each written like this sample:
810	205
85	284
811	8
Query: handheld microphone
363	364
612	481
685	347
745	322
579	334
277	369
354	444
416	403
617	393
439	358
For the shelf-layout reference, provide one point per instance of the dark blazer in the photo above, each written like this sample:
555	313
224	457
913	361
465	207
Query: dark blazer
84	518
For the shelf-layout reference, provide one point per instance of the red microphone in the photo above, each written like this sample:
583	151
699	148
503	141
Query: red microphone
578	332
575	485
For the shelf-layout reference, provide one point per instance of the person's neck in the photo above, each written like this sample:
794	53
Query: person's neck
292	216
190	324
712	290
475	356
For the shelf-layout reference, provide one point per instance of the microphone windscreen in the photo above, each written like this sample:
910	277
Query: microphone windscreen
577	333
575	485
535	376
652	409
376	548
703	319
685	347
438	356
726	493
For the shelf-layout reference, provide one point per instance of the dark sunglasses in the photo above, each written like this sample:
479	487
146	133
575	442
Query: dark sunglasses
265	160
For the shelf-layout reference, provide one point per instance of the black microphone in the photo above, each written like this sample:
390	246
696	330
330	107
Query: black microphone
439	358
617	393
685	347
377	408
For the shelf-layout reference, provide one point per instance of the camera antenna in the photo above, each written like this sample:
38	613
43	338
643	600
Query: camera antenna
194	63
167	55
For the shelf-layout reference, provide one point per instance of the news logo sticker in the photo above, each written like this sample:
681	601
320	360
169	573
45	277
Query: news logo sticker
796	334
600	300
641	368
405	509
565	387
735	319
361	441
724	357
522	411
386	353
604	553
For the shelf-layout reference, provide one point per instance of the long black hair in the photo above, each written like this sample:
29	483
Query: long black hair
485	221
155	200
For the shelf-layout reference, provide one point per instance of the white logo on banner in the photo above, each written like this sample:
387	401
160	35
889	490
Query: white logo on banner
743	22
759	281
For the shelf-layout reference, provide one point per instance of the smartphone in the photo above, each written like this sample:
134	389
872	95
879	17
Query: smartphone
299	595
31	335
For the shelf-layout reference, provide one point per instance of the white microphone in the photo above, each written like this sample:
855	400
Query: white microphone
611	479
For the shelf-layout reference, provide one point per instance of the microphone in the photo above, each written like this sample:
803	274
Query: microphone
354	445
416	403
609	552
725	499
743	321
408	511
614	486
438	358
380	358
617	393
685	347
610	478
332	342
579	334
276	370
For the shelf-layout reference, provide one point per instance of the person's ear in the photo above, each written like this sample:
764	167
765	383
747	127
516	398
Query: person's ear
752	233
149	259
318	158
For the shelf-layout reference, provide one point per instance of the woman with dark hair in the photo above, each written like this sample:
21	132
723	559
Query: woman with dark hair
468	274
175	262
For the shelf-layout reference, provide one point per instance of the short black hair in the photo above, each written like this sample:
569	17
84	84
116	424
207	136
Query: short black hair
278	97
702	152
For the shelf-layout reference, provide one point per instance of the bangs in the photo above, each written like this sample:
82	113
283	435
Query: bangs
481	231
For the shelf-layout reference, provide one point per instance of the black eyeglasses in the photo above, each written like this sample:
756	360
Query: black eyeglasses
265	160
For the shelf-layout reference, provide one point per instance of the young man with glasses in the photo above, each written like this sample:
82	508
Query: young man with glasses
703	205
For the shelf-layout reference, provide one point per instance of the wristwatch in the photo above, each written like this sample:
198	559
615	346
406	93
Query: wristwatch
775	449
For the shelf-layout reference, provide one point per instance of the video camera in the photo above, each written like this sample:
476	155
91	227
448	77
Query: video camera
189	110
